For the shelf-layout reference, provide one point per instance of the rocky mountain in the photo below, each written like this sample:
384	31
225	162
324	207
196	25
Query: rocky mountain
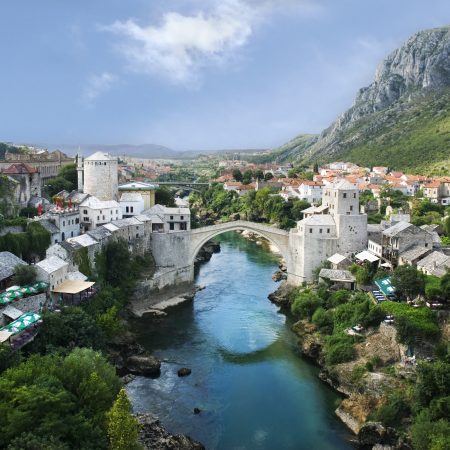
402	119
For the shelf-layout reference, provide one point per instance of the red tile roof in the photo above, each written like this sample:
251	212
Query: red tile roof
20	168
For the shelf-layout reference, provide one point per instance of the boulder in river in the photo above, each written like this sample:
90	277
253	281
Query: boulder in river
184	372
153	436
143	365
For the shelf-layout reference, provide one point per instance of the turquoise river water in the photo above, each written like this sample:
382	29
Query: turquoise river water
254	390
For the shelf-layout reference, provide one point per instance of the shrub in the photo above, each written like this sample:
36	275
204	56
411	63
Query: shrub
24	275
305	304
412	323
394	410
323	320
339	349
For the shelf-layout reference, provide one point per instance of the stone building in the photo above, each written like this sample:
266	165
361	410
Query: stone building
61	223
28	182
98	176
334	227
48	164
169	219
95	212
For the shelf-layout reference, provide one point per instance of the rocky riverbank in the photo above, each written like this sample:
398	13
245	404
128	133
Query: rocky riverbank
153	436
362	393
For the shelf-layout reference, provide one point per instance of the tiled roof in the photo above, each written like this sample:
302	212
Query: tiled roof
7	263
19	169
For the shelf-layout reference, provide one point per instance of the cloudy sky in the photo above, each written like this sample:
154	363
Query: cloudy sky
191	74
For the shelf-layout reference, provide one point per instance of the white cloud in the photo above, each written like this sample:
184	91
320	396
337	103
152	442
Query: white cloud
182	44
98	85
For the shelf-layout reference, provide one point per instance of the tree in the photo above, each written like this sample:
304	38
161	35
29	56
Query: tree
164	196
268	176
408	281
247	177
259	175
69	173
316	168
292	173
123	428
58	184
237	175
24	274
305	304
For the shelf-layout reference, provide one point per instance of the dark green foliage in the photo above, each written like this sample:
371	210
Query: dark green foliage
305	304
30	441
58	184
114	265
63	399
339	349
408	281
69	173
394	410
24	275
261	206
323	320
237	175
72	327
412	323
164	196
29	212
8	357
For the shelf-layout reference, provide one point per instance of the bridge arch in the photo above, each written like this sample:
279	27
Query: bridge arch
200	236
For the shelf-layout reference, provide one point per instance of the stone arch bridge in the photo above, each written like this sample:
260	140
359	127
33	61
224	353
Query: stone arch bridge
199	236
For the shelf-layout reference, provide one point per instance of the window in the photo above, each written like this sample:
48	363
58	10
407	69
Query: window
171	217
101	212
182	217
131	208
103	217
85	211
64	223
351	208
77	220
127	209
137	235
354	195
172	226
98	217
328	230
344	195
426	244
310	230
111	212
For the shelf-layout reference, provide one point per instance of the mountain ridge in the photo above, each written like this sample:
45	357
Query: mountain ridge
414	75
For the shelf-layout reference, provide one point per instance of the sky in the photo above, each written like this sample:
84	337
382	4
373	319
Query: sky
191	74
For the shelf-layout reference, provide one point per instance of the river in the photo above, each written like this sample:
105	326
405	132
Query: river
253	389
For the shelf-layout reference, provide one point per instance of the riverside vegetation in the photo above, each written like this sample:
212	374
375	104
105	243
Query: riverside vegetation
61	391
366	366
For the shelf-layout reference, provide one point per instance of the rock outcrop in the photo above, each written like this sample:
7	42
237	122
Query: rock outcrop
153	436
418	69
143	365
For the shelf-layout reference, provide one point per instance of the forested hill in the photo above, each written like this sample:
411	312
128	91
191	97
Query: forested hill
401	120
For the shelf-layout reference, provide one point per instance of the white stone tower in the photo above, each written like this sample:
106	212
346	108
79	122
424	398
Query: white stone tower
100	176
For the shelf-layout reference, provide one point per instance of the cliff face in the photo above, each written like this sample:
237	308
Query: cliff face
422	63
417	72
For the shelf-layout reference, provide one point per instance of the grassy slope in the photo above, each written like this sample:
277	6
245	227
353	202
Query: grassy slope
417	138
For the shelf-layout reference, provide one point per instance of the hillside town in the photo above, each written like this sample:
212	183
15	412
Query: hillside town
333	232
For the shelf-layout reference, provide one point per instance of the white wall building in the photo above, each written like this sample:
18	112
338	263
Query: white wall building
132	204
61	223
52	270
95	212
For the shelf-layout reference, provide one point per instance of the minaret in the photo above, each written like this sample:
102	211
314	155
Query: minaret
80	171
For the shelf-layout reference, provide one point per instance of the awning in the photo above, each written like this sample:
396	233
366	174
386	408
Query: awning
22	323
73	286
367	256
386	264
4	335
336	258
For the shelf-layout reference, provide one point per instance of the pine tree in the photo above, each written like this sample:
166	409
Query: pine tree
123	428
